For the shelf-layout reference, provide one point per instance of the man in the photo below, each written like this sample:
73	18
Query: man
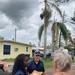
36	64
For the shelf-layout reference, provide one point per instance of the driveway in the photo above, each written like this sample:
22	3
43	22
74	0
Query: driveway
9	70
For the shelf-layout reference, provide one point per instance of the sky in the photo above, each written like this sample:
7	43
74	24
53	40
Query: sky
24	15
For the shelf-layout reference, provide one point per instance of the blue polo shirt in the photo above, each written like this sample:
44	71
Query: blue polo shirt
33	66
19	72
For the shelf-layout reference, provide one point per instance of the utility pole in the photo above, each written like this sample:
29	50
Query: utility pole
15	34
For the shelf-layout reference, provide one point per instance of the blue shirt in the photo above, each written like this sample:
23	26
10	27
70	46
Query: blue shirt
33	66
19	72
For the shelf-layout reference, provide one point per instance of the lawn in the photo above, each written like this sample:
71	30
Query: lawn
47	62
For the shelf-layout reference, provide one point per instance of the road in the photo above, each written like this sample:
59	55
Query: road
9	70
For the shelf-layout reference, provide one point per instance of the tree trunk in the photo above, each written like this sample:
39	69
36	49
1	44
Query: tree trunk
60	39
56	31
53	35
45	32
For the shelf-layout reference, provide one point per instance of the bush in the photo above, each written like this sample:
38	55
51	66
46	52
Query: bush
9	59
69	48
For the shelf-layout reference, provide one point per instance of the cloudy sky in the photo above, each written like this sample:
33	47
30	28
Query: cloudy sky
24	16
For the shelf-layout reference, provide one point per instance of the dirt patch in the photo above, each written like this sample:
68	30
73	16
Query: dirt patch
50	71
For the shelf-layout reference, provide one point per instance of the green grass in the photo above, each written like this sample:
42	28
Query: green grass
47	62
73	60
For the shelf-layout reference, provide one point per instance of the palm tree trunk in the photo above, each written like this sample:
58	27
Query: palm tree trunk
60	39
56	34
45	39
45	32
53	35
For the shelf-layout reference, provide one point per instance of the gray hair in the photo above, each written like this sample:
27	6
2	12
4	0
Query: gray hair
63	60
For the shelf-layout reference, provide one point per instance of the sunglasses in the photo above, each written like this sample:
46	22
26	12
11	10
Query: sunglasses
37	55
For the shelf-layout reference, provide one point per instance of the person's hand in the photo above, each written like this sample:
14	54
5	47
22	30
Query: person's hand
5	65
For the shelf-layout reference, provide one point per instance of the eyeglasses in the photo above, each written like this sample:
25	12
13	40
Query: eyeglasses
37	55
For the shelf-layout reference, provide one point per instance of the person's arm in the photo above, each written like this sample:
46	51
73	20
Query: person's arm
3	65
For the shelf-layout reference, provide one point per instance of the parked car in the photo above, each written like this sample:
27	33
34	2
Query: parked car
41	55
72	55
48	55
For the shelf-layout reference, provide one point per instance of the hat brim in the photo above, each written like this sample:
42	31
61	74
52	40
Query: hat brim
37	54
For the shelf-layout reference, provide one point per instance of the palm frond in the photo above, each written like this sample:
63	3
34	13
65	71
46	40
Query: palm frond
61	1
40	31
72	22
63	29
73	19
58	10
47	14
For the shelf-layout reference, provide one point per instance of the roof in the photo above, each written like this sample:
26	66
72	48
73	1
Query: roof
14	42
37	48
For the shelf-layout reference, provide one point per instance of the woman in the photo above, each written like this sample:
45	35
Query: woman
62	62
21	62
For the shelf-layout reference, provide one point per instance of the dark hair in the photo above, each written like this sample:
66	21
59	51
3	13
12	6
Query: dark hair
19	64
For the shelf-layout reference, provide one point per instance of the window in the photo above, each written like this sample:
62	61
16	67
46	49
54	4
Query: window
26	49
6	49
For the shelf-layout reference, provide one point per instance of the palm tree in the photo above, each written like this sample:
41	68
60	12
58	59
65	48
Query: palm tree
46	15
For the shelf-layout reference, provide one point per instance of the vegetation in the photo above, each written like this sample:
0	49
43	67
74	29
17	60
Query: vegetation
69	48
47	62
55	32
73	19
9	60
48	47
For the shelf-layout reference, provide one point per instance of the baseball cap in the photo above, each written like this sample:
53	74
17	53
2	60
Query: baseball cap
37	53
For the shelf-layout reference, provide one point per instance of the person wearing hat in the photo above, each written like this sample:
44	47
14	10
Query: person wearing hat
36	64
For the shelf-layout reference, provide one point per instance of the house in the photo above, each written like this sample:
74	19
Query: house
10	49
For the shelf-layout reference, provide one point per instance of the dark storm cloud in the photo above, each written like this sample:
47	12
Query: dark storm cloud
17	9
